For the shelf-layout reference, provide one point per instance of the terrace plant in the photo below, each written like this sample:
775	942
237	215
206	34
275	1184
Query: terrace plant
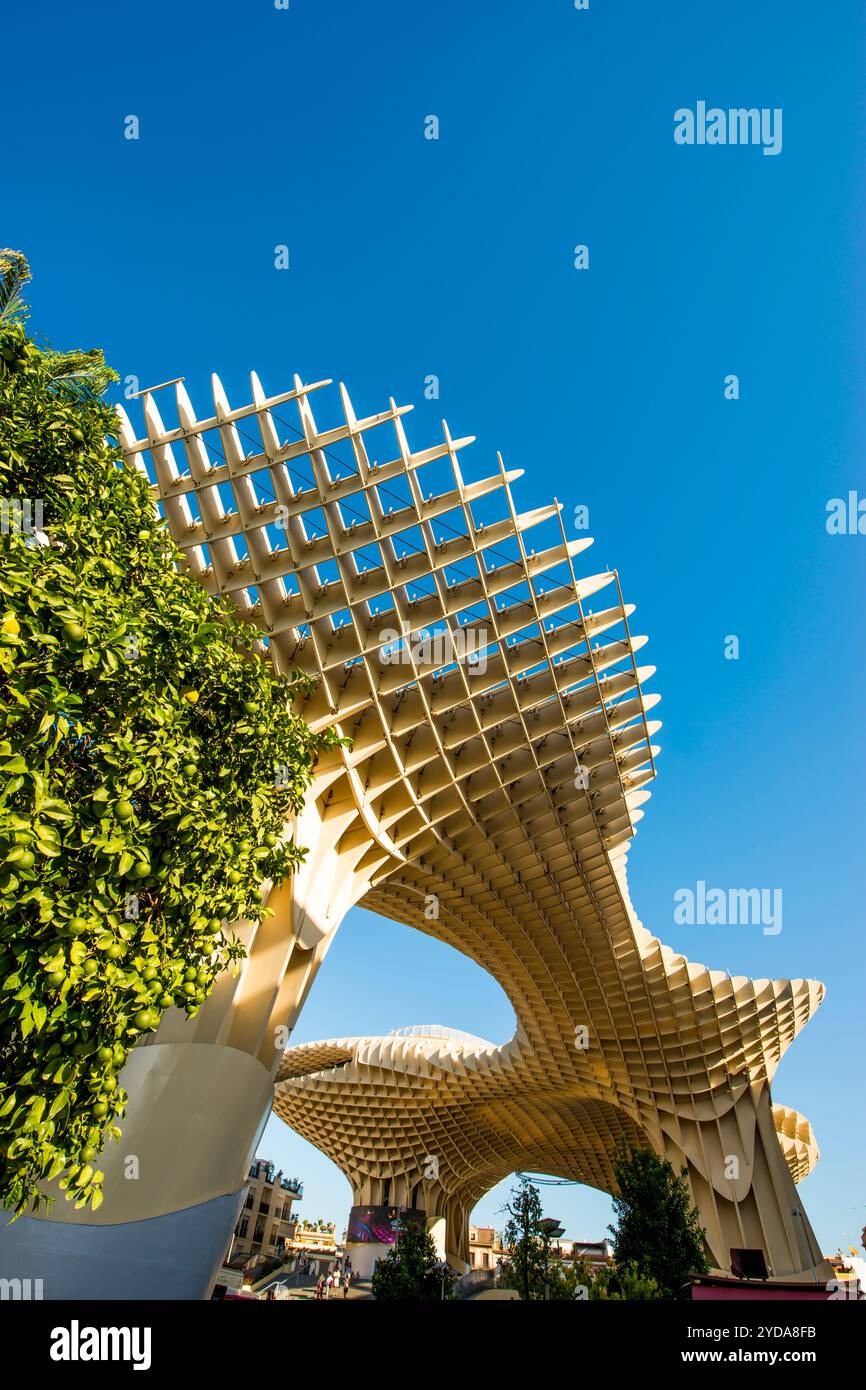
140	809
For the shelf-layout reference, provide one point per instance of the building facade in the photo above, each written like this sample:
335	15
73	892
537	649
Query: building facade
485	1248
266	1226
598	1253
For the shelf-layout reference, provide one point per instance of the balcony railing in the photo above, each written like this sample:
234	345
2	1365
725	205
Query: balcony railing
261	1170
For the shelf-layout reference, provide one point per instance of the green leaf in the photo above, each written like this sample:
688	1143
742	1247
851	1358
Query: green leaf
57	1166
59	1101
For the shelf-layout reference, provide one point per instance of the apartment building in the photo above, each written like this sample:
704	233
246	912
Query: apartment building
266	1225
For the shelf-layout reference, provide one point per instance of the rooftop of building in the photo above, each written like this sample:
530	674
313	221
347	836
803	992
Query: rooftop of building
439	1030
262	1169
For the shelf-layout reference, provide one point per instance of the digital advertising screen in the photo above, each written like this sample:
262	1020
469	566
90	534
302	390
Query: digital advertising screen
378	1225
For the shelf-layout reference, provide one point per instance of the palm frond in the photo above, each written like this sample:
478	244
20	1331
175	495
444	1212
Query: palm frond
79	375
14	273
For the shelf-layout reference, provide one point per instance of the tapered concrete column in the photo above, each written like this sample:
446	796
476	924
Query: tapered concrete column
457	1234
200	1093
448	1224
741	1182
173	1184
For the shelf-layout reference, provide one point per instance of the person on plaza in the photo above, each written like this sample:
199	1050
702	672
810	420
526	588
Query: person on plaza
320	1286
347	1279
329	1284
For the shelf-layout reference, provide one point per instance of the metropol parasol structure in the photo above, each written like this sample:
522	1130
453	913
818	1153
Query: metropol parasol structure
498	759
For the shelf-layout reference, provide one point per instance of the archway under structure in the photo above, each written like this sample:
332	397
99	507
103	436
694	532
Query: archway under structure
430	1119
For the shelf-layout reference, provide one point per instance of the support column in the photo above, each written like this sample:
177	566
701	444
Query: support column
174	1184
741	1182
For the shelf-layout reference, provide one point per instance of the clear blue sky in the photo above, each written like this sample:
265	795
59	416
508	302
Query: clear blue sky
261	127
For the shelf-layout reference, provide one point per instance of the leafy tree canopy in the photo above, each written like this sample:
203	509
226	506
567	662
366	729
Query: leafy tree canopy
149	763
658	1232
411	1271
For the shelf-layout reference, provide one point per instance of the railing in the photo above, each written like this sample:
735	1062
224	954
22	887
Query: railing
260	1169
473	1280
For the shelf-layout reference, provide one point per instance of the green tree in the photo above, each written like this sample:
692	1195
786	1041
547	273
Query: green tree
622	1284
658	1231
150	765
571	1281
411	1272
528	1265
